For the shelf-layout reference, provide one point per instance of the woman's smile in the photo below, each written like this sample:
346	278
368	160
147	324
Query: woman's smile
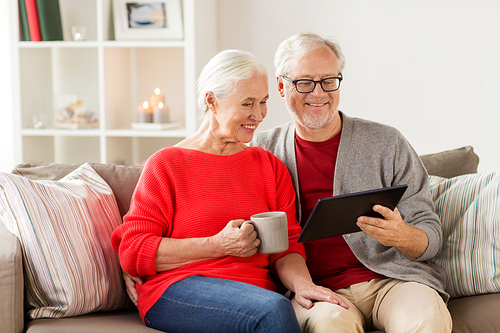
251	127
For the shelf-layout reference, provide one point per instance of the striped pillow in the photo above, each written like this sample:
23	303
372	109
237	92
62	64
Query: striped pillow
469	208
64	228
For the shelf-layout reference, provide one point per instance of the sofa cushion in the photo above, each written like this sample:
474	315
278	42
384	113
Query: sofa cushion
64	228
109	322
469	209
122	179
475	314
451	163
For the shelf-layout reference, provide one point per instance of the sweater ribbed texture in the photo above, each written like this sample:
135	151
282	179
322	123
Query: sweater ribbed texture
185	193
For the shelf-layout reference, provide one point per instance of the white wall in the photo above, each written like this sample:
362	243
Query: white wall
431	68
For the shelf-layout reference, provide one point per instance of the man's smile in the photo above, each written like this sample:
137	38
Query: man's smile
317	104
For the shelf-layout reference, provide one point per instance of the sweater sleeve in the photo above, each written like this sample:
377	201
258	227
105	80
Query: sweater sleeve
416	205
285	201
365	162
146	222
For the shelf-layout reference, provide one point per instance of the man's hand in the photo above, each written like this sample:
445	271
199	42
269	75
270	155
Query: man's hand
393	231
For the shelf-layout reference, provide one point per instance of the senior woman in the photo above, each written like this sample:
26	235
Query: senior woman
183	233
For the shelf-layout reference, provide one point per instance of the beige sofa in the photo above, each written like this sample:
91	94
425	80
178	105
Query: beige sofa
474	314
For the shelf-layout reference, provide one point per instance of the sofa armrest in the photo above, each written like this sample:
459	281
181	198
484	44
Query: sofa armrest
11	283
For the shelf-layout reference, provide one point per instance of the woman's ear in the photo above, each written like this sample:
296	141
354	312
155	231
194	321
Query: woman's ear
279	83
211	101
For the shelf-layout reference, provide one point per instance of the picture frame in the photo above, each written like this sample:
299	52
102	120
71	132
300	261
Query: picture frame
148	20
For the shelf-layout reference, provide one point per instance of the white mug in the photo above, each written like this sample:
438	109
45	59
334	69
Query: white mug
272	230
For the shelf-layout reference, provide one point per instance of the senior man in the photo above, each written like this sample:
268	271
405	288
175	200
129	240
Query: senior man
383	272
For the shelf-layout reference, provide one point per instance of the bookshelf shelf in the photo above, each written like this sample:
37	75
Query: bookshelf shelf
61	132
141	133
112	78
57	44
134	44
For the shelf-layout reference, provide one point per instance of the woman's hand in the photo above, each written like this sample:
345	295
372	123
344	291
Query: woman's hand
293	273
231	241
307	293
130	284
237	240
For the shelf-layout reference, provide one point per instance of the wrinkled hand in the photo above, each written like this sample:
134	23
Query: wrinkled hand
130	284
393	231
389	231
236	241
307	293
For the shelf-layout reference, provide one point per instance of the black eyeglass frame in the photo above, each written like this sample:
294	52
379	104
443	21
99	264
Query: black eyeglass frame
340	78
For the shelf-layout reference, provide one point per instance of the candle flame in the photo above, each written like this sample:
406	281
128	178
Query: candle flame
160	105
145	104
157	91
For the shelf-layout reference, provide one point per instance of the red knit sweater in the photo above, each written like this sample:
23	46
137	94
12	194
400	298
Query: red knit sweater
184	193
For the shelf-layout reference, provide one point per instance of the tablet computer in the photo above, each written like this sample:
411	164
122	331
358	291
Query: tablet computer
337	215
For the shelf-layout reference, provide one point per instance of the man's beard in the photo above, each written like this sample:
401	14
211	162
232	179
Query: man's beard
315	121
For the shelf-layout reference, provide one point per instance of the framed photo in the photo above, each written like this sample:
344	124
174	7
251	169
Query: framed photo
148	19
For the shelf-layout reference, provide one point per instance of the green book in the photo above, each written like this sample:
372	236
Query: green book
23	17
49	16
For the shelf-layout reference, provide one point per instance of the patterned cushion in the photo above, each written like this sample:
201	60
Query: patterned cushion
469	208
122	179
64	228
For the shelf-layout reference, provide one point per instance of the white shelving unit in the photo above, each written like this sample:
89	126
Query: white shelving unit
112	77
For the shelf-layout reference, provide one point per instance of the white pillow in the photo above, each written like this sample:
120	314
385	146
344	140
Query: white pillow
469	209
64	228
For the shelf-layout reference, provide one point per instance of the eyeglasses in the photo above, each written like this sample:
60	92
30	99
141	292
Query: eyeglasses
304	86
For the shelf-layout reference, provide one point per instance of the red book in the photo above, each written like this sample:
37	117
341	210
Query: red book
33	20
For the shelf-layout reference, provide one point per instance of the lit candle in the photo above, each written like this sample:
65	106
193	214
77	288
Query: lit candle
160	114
145	112
156	98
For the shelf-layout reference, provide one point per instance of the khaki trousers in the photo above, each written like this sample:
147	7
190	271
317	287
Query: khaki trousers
390	305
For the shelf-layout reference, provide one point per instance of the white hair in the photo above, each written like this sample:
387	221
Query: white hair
300	45
224	72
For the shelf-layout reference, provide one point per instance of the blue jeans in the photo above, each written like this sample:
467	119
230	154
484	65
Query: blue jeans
203	304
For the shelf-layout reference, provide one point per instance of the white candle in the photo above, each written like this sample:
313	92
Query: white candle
156	98
145	113
160	114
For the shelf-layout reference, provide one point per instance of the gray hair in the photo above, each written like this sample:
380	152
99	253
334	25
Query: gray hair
300	45
224	72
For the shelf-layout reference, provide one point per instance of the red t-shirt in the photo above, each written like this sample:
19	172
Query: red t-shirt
330	260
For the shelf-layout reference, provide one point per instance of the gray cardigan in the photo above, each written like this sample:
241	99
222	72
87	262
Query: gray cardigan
370	156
